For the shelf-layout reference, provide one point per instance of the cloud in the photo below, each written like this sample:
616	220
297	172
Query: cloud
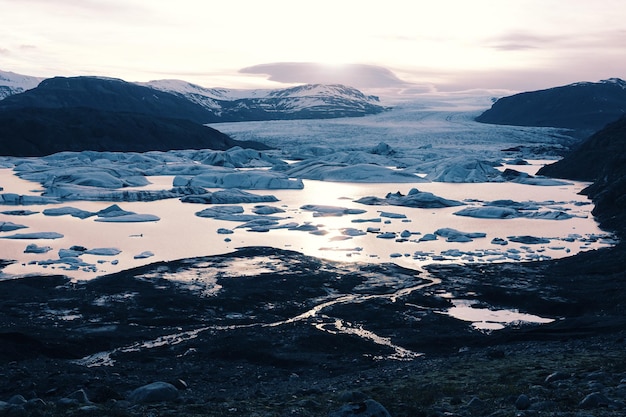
355	75
4	51
518	41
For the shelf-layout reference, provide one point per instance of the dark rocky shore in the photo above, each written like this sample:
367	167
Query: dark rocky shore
291	335
238	353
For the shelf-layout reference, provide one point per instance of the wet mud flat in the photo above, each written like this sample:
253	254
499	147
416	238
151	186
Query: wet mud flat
263	331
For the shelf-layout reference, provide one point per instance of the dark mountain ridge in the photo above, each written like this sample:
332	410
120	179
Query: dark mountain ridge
584	107
107	94
103	114
45	131
600	159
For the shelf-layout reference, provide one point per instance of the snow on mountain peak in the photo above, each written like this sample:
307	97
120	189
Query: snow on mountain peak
12	83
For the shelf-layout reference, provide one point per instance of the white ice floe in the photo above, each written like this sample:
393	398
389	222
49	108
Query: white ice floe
144	255
414	198
115	214
12	199
325	211
248	180
453	235
68	211
130	218
231	196
35	235
360	172
461	170
34	248
10	226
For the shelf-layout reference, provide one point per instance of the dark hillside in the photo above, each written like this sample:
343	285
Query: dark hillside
44	131
601	159
106	94
583	107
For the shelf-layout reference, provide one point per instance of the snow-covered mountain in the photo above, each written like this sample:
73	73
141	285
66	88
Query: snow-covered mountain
300	102
310	101
12	83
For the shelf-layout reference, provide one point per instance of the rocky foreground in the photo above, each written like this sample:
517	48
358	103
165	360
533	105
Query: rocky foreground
284	336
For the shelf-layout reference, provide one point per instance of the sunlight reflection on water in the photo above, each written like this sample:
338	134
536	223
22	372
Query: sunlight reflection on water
181	234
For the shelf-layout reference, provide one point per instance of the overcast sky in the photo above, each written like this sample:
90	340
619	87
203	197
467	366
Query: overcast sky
408	45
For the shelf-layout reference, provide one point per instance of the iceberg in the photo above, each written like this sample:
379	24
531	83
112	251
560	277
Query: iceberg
461	170
130	218
70	211
10	226
453	235
35	235
415	198
248	180
231	196
325	211
34	248
11	199
360	172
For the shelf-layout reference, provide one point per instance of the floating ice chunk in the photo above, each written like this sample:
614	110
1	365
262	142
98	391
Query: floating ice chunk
549	215
11	199
529	240
110	177
462	170
72	192
489	212
144	255
349	231
220	211
19	212
249	180
130	218
115	214
374	220
524	178
266	210
70	211
499	241
453	235
324	211
386	235
390	215
70	253
231	196
33	248
223	231
10	226
405	234
414	198
113	211
36	235
428	237
307	227
359	172
261	222
103	252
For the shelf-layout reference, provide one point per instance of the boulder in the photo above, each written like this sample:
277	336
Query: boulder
155	392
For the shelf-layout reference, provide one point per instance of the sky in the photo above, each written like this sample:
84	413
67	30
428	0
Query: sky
405	46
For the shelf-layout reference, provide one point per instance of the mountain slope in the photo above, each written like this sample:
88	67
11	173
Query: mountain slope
43	131
301	102
602	159
12	83
585	107
106	94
